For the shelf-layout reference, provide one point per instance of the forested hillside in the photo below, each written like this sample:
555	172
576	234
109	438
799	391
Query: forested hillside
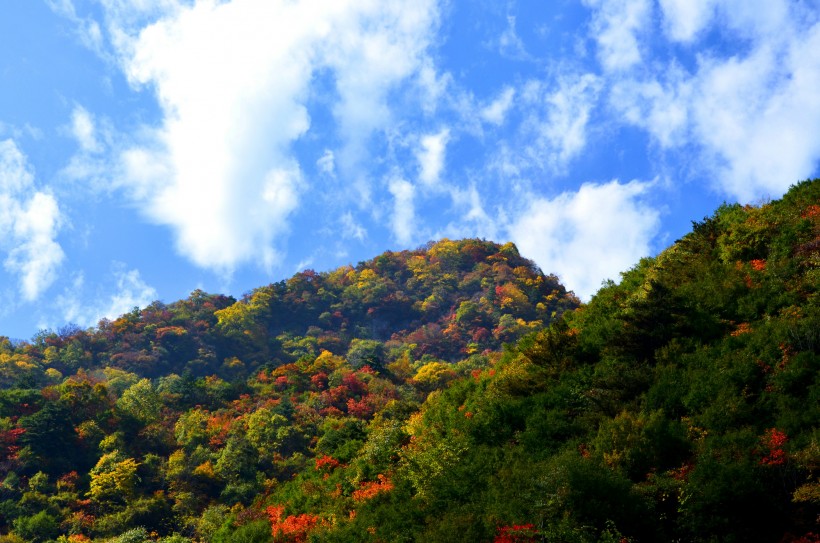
454	393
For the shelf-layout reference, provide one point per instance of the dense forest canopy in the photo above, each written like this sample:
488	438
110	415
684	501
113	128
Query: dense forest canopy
452	393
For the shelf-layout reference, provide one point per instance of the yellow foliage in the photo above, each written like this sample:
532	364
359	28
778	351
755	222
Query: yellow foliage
113	478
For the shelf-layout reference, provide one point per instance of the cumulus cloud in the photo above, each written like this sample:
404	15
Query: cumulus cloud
29	223
126	290
403	220
431	156
588	236
233	80
757	116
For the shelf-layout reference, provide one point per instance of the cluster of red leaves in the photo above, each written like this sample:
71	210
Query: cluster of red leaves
319	380
811	212
8	442
293	528
517	533
362	409
774	440
369	489
219	426
682	473
809	537
326	463
68	481
355	385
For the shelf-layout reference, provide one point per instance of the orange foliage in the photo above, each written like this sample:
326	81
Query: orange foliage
369	489
758	265
293	528
326	463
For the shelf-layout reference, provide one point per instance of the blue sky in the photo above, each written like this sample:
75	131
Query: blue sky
152	147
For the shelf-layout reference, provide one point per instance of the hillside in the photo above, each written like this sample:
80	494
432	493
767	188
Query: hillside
377	403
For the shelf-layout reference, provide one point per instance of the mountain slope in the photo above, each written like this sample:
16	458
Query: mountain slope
372	403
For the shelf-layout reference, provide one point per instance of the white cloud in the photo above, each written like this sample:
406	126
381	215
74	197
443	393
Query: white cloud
685	19
327	163
555	131
84	131
29	223
474	219
660	107
403	221
615	26
431	156
510	44
758	117
750	117
496	111
351	229
588	236
88	30
127	291
233	80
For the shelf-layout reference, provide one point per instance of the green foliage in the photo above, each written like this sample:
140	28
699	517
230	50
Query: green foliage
378	402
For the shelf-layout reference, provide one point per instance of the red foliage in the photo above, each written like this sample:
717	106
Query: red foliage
352	382
8	443
682	473
809	537
518	533
282	382
319	380
336	397
362	409
774	440
68	480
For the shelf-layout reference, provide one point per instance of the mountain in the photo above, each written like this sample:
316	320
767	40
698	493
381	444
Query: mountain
453	393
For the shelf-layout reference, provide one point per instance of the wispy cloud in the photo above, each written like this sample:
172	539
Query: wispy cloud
403	219
554	130
124	290
750	116
496	111
510	44
352	229
84	130
431	155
